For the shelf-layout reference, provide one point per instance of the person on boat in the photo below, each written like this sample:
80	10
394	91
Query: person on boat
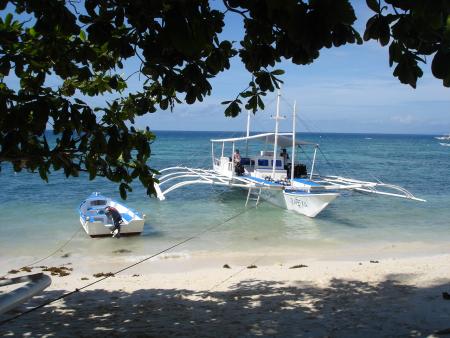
285	157
238	168
237	157
117	219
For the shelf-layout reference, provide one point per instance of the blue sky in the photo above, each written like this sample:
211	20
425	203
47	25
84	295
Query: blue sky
347	89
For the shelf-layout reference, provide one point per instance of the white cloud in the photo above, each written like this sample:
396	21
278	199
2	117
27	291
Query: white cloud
403	119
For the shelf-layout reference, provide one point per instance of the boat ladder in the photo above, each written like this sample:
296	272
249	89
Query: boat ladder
254	196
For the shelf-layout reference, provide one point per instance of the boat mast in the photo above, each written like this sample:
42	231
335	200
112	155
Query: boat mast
232	160
248	133
275	144
293	145
313	163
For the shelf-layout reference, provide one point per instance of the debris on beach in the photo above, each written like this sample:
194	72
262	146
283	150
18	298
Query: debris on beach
66	255
253	266
374	262
226	266
62	271
84	278
121	251
13	271
135	275
25	269
298	266
103	274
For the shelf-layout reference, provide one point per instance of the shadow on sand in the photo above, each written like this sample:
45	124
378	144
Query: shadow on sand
251	308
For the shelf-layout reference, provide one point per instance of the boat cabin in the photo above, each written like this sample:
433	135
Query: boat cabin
265	164
93	208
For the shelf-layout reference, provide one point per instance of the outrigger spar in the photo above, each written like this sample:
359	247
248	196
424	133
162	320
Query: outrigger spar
272	176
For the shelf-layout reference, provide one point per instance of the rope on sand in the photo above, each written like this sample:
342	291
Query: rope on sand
128	267
236	273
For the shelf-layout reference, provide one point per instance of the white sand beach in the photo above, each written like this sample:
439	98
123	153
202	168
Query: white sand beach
181	295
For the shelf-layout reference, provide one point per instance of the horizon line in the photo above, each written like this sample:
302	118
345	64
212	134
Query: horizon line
298	132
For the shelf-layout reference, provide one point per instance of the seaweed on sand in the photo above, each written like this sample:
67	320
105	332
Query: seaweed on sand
103	274
61	271
298	266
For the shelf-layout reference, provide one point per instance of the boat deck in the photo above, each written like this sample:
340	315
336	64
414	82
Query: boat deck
261	181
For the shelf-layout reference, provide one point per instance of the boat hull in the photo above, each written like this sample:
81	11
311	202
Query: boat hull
308	204
98	229
304	203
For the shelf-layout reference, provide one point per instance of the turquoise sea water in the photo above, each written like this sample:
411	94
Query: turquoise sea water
36	217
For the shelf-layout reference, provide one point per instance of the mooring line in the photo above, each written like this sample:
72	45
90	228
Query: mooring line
236	273
239	271
50	255
127	267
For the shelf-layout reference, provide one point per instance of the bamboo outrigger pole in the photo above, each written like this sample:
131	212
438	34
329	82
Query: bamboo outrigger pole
275	144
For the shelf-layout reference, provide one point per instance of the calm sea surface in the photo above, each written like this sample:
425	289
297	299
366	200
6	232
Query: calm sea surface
37	217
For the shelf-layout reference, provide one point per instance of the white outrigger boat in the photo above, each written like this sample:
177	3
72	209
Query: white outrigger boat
272	177
97	224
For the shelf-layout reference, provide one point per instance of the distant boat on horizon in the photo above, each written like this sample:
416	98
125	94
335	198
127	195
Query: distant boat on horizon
443	137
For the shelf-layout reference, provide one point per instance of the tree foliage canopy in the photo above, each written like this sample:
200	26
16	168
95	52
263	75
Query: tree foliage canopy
84	45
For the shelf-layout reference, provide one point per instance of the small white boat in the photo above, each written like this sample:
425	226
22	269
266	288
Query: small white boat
97	224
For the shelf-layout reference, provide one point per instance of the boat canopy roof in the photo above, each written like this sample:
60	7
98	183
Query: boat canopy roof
284	139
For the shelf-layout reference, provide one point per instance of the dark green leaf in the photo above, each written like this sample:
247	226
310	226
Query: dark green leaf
384	32
8	19
278	72
123	190
82	35
440	66
373	5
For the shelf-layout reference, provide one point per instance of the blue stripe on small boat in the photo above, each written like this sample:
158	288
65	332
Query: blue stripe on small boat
126	217
306	182
260	180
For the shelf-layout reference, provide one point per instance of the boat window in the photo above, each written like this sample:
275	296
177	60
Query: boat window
245	161
278	163
98	202
263	163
